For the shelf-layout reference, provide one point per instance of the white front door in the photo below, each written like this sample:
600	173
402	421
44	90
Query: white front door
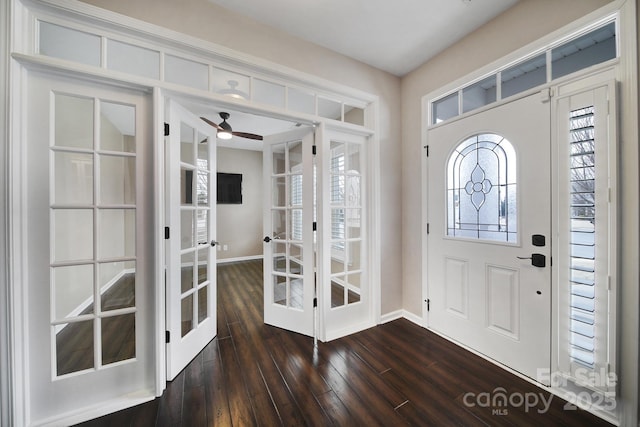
191	252
88	272
489	241
289	247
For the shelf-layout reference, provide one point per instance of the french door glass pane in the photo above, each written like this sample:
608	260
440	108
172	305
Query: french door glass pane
73	290
187	314
118	338
117	233
203	264
73	121
74	347
187	238
117	127
188	265
117	180
73	178
203	303
72	234
117	282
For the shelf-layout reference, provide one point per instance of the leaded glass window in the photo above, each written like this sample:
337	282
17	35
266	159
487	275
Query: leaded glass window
482	189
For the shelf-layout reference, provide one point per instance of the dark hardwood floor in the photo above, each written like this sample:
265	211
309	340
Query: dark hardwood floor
393	374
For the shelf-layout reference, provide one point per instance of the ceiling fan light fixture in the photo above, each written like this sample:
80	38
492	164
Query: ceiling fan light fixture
233	91
224	134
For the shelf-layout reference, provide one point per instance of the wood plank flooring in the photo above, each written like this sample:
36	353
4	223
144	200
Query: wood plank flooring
395	374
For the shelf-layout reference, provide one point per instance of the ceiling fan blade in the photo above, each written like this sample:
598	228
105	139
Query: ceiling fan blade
247	135
215	125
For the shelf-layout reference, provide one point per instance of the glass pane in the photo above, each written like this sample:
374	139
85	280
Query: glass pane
187	314
337	292
116	233
117	127
186	187
118	338
203	153
279	192
479	94
72	45
185	72
594	48
337	224
187	137
523	76
296	253
279	224
72	290
354	115
353	283
133	59
302	102
295	156
279	257
202	226
72	234
187	267
296	224
203	264
231	84
73	178
117	285
445	108
203	188
296	293
353	223
203	303
330	109
278	159
187	238
268	93
279	290
337	262
74	347
482	189
73	121
117	180
355	249
352	161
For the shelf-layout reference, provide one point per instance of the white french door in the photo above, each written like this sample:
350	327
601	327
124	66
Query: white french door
191	254
489	241
88	262
289	246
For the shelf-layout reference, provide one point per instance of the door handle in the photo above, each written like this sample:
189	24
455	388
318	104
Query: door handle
537	260
266	239
214	242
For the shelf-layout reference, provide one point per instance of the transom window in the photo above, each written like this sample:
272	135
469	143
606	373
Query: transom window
482	189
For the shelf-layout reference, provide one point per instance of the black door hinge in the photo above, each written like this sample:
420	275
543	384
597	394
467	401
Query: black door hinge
426	147
315	226
166	233
428	304
313	150
167	337
315	302
428	228
166	129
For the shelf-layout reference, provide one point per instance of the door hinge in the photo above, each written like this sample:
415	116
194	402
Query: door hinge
313	150
315	226
315	302
167	337
428	228
166	233
428	304
166	129
426	147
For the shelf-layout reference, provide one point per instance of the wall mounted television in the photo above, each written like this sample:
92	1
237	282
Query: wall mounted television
229	188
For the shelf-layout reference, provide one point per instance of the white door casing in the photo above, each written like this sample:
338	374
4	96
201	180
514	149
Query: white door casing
480	294
85	238
191	252
289	252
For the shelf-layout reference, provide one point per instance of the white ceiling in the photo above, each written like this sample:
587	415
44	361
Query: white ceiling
393	35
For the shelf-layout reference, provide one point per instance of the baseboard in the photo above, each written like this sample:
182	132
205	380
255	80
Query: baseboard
401	314
239	259
104	408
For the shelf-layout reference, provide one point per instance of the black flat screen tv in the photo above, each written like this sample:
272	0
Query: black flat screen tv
229	188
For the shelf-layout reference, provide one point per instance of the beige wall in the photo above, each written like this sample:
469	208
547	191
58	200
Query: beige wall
524	23
205	20
240	226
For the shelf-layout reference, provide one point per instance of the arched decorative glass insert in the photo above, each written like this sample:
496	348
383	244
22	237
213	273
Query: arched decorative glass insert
482	189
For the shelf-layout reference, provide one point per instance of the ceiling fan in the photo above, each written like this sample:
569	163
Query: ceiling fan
225	131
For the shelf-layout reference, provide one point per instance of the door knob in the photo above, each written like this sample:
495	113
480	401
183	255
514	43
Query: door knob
537	260
266	239
213	243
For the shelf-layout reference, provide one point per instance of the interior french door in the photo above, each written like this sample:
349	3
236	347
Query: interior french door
289	248
489	241
89	261
191	254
